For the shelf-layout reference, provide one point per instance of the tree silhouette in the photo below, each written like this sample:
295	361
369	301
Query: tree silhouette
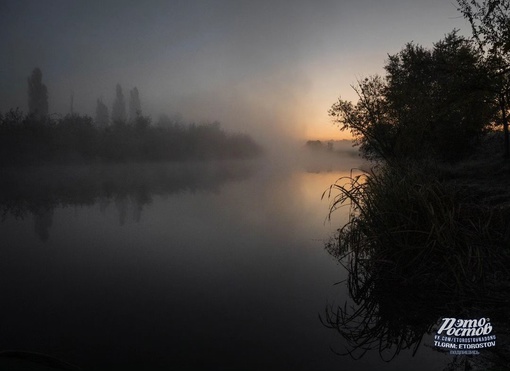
440	96
119	106
135	108
102	116
431	102
490	23
77	138
37	95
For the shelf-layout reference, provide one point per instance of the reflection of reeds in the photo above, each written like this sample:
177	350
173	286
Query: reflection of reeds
33	360
414	251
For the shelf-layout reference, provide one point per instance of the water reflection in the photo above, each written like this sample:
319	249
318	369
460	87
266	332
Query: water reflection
36	192
390	313
225	270
43	219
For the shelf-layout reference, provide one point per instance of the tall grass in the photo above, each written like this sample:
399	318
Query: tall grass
415	250
409	223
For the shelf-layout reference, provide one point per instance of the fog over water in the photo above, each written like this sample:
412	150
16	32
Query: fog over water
176	265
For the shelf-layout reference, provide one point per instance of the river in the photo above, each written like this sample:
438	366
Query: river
176	266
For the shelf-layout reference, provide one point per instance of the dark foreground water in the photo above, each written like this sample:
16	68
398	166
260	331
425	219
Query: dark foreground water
176	266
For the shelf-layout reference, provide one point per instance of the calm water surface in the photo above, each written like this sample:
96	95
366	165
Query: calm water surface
176	266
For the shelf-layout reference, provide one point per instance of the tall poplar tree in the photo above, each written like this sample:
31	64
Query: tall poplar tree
37	95
135	108
119	106
102	116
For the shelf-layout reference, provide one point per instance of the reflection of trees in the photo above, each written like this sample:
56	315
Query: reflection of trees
42	223
38	191
122	206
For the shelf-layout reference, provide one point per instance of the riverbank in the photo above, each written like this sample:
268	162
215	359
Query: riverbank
483	178
425	239
433	224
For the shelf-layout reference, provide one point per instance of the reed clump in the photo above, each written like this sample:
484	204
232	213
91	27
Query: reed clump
406	224
415	248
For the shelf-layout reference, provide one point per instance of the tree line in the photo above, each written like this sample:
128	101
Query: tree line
119	113
437	102
38	137
38	106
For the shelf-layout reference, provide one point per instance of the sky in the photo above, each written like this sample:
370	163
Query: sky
269	68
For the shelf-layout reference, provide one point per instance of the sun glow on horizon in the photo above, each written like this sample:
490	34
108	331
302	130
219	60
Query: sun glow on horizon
325	130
